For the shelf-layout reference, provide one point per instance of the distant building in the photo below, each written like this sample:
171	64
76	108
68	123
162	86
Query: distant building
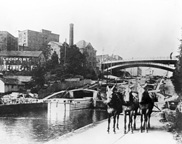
21	79
20	60
29	40
87	48
104	58
8	42
135	71
13	85
149	71
10	85
123	73
55	47
139	71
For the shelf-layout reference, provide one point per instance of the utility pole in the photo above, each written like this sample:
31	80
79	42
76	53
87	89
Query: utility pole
65	53
102	68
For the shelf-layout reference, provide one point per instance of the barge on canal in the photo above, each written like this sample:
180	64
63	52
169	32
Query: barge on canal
17	103
65	100
74	99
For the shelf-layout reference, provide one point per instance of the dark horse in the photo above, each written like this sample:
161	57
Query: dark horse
146	104
117	102
114	104
130	108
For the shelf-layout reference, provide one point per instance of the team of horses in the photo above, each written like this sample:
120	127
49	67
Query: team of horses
123	99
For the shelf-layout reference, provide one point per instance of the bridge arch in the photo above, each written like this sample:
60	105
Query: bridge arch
154	65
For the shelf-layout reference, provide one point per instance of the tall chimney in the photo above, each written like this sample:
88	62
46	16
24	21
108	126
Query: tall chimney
71	35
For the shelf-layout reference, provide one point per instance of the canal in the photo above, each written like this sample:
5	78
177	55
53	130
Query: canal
42	126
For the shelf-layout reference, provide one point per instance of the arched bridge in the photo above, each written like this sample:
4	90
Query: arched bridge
165	63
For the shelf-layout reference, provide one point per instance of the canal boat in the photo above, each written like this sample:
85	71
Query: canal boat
17	103
73	99
21	108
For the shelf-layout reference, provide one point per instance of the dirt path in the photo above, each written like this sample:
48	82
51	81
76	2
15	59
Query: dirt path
97	134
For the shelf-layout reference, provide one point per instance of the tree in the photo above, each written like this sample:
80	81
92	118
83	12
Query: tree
72	60
75	61
52	63
54	59
46	51
177	75
38	79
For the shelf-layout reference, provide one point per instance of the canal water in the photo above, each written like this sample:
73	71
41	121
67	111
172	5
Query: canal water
41	126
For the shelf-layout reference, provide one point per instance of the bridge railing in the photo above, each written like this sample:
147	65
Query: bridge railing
141	58
172	67
151	58
159	64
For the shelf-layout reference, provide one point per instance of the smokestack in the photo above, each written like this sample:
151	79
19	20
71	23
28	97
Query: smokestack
71	35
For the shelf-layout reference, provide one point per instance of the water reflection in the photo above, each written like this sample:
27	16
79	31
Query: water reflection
42	126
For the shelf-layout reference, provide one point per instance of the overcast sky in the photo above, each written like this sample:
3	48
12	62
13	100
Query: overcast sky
129	28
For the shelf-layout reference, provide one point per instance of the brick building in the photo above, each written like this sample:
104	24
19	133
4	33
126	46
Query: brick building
87	48
29	40
8	42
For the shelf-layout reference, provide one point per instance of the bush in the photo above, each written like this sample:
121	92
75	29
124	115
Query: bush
179	116
173	118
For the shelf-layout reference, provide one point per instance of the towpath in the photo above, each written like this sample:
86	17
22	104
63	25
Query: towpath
97	134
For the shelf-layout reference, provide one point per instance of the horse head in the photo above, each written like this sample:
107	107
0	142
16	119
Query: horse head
127	92
109	94
140	91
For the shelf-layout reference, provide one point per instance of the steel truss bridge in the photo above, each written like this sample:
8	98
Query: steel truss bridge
165	63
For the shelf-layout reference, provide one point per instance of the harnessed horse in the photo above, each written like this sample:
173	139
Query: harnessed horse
146	104
130	108
114	104
125	101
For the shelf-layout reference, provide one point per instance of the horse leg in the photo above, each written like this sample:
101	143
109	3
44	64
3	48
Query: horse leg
141	121
131	121
114	122
117	121
149	121
124	122
135	115
149	115
109	120
145	122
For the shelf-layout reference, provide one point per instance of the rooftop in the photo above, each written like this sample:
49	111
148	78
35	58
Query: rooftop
82	44
21	53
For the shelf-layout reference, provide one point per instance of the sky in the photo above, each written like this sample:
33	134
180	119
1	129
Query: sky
129	28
